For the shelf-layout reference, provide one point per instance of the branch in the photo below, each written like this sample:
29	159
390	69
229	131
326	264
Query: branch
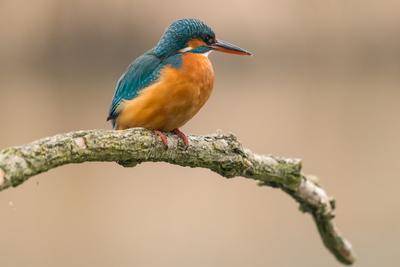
222	154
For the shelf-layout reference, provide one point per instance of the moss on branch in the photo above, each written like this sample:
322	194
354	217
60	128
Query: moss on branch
223	154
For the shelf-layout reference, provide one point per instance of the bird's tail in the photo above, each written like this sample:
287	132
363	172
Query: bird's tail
113	122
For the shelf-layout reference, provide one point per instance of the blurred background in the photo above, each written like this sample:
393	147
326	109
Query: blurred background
323	86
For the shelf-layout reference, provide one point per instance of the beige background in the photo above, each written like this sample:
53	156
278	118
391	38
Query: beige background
323	86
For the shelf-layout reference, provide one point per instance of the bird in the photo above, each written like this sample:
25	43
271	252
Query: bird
165	87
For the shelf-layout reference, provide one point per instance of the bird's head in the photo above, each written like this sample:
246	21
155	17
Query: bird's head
193	35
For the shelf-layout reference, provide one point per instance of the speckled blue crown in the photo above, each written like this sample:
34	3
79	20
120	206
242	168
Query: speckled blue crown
177	35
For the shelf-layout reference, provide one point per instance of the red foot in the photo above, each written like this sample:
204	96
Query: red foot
162	136
181	136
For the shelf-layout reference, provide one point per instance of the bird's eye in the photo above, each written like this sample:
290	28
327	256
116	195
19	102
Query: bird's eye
208	39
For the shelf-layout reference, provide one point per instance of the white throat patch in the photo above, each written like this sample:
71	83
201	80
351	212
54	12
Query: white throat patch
206	53
187	49
183	50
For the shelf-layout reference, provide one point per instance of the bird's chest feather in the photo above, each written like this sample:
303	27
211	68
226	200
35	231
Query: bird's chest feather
192	83
175	98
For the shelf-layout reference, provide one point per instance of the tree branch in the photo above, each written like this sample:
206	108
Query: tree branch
222	154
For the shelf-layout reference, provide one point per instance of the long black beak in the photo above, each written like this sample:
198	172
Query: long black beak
229	48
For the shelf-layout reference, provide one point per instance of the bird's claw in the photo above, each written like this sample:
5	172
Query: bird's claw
182	136
163	137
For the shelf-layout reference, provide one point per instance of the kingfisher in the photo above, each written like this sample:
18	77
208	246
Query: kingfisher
165	87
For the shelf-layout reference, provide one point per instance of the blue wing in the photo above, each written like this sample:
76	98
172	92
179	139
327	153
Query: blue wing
141	73
144	71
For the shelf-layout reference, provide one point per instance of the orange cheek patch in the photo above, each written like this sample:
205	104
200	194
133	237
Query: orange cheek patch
196	43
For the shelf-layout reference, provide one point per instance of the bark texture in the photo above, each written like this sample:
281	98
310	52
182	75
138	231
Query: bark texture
222	154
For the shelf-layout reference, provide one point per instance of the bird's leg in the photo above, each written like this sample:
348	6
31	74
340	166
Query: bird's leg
182	136
163	137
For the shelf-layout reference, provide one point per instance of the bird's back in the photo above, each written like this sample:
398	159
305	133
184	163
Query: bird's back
141	73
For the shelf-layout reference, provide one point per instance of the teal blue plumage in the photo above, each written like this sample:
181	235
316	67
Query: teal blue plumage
179	33
140	74
145	70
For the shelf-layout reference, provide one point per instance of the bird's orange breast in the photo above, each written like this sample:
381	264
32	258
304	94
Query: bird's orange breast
174	99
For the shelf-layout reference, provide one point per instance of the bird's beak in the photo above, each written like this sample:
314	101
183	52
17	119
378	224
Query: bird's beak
229	48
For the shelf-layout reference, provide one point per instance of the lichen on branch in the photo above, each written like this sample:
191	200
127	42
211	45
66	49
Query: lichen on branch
223	154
